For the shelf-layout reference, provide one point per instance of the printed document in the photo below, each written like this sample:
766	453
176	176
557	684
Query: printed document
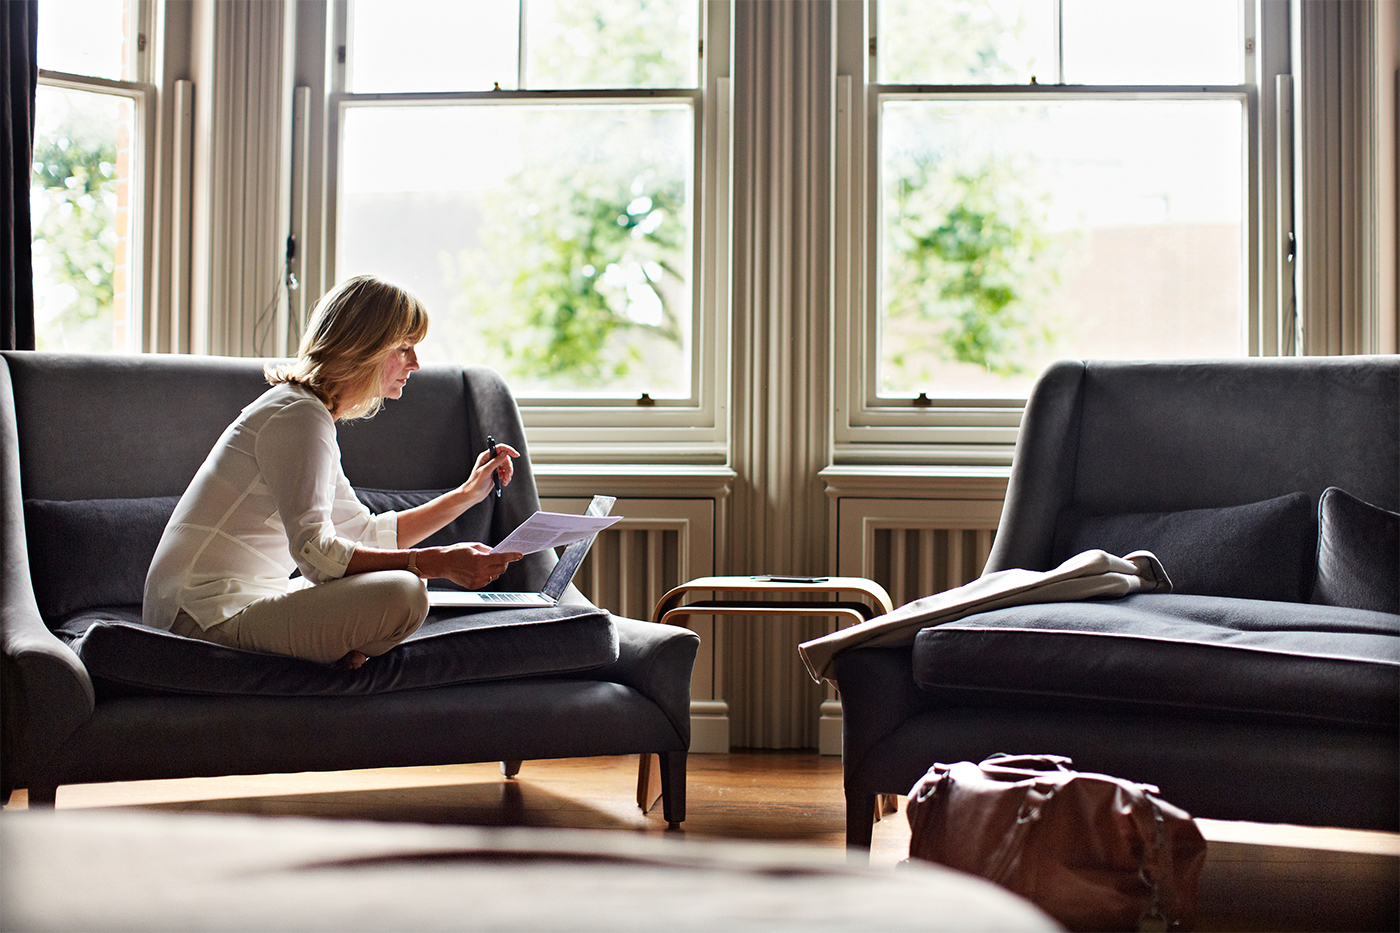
553	529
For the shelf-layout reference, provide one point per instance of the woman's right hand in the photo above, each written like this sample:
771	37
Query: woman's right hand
472	564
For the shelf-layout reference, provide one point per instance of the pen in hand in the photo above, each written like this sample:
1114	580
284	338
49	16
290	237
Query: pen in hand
495	474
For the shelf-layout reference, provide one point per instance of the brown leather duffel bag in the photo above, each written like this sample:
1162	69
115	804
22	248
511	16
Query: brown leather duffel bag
1094	852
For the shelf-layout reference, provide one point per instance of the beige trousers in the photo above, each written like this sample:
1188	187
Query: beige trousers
367	612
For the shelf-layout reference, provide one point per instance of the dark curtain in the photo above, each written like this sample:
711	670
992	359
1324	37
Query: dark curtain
21	73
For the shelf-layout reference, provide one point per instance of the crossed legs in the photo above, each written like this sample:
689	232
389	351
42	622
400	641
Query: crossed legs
344	621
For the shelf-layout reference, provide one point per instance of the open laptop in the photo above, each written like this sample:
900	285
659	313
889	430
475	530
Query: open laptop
553	590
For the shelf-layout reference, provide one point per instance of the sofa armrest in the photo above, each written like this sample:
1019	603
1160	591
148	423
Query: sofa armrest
655	660
878	695
1042	471
47	696
47	691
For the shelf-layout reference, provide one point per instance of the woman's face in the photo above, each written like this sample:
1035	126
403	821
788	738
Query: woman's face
394	376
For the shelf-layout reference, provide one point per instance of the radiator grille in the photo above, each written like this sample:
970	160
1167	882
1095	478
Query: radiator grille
914	562
628	570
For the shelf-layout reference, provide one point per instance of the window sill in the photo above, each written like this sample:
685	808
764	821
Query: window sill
654	481
889	481
935	456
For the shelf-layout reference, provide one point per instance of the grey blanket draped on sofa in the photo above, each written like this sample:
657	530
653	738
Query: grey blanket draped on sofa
1085	576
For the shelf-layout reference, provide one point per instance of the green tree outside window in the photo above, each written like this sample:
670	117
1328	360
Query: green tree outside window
74	197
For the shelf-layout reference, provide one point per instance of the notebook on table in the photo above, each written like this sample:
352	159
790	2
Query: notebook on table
554	587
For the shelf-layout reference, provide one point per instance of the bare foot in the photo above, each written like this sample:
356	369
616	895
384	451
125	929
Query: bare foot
352	660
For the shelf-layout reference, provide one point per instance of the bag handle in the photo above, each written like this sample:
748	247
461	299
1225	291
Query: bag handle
1030	762
1019	767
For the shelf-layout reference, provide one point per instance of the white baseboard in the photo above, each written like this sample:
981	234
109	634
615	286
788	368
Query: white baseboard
709	727
829	728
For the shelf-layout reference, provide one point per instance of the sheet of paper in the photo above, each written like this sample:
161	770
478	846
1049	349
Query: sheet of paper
553	529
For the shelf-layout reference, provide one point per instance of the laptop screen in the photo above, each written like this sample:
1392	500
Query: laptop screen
572	558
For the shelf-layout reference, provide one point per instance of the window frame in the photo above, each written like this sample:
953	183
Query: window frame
141	313
869	428
692	429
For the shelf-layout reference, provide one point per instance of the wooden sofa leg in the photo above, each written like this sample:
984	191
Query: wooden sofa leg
648	780
860	819
510	768
673	788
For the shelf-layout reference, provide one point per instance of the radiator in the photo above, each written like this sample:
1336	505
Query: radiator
912	547
658	544
629	569
915	547
914	562
633	564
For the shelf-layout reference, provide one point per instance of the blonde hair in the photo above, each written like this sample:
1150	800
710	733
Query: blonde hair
352	331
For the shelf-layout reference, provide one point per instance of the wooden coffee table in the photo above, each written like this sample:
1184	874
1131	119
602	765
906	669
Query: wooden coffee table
848	600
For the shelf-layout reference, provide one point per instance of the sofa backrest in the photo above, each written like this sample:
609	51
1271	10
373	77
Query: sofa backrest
101	427
137	428
93	427
1138	437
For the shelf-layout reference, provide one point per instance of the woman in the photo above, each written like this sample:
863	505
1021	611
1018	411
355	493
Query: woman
271	497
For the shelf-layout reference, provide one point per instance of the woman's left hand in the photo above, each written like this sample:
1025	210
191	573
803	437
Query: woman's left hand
479	485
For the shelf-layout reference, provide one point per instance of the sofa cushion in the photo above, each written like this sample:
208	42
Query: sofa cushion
1262	550
92	552
1174	654
1358	554
124	656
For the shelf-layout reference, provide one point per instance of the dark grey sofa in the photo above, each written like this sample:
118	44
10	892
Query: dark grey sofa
94	451
1266	687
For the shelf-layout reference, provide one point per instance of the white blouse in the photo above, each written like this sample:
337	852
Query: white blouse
271	497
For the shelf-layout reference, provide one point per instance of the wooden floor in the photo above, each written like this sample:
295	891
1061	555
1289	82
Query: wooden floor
773	796
1256	877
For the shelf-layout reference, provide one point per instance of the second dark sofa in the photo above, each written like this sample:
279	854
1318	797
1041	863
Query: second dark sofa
1266	687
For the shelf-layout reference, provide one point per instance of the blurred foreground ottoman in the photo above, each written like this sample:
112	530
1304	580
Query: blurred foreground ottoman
131	870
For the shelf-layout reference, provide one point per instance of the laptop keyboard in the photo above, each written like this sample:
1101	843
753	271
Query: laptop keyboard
507	597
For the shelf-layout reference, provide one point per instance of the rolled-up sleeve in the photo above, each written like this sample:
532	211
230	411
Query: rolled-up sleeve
299	460
386	530
353	520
